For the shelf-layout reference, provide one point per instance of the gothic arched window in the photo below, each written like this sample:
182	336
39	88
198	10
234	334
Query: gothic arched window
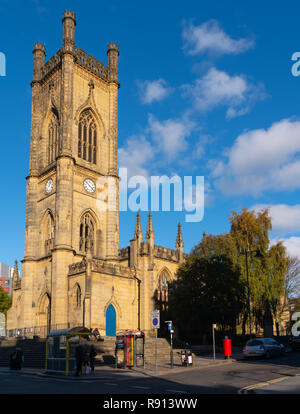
53	132
77	296
49	233
86	232
87	137
162	290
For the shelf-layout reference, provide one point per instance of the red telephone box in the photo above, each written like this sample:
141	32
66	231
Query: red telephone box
130	346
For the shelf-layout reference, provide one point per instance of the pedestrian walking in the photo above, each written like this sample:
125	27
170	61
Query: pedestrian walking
85	357
79	359
93	353
16	359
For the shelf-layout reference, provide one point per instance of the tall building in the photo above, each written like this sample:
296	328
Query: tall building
6	273
73	272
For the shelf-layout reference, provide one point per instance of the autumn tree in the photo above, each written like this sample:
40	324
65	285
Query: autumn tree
5	301
266	271
274	270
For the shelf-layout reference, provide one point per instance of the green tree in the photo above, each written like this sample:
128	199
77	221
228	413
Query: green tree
5	301
207	291
216	245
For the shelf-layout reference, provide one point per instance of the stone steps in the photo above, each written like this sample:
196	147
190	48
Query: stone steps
34	351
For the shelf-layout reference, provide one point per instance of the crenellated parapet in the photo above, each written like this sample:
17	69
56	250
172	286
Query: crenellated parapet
51	65
42	70
91	64
102	266
78	267
165	253
82	59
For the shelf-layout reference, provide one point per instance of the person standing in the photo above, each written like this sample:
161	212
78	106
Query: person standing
13	360
19	358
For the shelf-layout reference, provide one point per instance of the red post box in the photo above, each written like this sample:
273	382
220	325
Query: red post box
227	348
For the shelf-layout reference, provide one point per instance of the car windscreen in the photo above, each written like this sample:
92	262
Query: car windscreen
254	342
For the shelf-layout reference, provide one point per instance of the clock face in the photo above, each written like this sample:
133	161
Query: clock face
89	185
49	185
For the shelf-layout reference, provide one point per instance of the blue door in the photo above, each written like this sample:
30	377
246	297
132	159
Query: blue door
111	321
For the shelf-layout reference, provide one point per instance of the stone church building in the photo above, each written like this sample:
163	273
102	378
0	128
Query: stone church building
73	272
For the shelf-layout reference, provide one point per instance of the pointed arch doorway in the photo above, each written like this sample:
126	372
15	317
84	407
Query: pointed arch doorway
111	321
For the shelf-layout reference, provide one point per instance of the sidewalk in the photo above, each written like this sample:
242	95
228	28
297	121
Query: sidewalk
162	368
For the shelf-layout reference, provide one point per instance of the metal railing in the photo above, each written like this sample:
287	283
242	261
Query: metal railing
36	331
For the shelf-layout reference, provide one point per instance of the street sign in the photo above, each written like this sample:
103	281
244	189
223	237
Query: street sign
155	319
170	326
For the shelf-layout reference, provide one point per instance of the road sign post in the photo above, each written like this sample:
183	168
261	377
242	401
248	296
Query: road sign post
170	328
214	345
155	324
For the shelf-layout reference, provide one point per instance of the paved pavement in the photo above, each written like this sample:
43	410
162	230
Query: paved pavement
276	376
161	368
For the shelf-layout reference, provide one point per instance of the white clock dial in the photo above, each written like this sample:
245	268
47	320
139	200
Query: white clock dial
49	185
89	185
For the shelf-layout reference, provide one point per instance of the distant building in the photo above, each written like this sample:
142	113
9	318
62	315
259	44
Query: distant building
6	273
2	324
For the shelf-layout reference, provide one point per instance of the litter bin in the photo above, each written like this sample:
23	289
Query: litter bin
227	348
189	358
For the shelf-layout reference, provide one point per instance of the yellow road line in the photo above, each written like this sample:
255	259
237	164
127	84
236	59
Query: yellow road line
263	384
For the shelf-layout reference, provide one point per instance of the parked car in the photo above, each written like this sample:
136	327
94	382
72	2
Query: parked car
294	342
263	347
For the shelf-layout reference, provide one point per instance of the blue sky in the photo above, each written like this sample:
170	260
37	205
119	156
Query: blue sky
206	89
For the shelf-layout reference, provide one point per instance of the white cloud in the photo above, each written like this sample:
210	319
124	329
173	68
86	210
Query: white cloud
292	245
170	135
285	218
209	37
161	143
262	159
151	91
135	155
218	88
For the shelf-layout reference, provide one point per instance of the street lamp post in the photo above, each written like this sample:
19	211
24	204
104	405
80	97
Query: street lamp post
248	290
139	298
259	255
170	326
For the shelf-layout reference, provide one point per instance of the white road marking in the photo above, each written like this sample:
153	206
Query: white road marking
142	388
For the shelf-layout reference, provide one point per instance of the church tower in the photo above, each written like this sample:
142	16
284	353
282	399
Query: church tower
72	153
73	272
